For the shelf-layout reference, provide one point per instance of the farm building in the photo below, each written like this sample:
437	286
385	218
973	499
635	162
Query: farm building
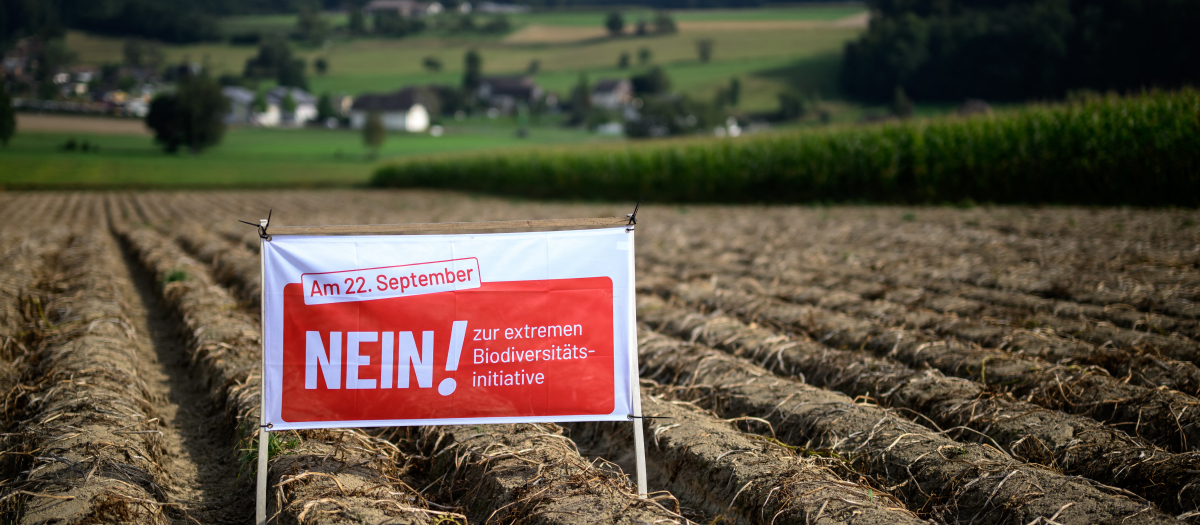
404	110
243	112
612	93
404	7
504	93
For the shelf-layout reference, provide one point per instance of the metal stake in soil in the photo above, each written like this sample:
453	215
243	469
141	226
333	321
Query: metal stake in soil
260	505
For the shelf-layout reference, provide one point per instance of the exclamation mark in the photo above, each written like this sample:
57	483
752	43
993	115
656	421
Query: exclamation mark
457	335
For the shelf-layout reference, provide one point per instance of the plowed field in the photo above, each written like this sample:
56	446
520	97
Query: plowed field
863	365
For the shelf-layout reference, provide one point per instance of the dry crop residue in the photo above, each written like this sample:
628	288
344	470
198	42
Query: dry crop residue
820	364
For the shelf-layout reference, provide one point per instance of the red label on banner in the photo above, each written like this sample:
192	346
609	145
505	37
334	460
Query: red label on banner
504	349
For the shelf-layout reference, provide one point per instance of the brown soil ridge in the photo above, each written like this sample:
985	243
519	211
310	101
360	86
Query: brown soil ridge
1158	415
318	476
1154	269
532	473
1058	344
1119	315
234	266
90	430
1068	443
723	474
1148	359
934	475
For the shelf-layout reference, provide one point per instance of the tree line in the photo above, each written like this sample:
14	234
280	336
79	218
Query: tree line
1022	49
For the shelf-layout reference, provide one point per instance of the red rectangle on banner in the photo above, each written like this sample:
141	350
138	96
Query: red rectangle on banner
525	348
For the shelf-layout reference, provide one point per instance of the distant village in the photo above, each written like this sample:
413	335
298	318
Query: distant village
126	91
270	92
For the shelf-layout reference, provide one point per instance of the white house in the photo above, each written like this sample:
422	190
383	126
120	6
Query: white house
241	106
306	107
404	110
611	93
406	8
242	112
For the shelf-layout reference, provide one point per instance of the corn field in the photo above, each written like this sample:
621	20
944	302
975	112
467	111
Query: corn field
1137	150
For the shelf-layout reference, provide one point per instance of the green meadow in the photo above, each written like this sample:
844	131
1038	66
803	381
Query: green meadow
248	157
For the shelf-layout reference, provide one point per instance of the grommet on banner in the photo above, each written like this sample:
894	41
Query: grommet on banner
633	216
264	223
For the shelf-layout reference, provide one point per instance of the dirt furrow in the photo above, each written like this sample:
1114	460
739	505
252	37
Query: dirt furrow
531	473
1166	418
1068	443
22	262
1120	315
322	476
1148	359
934	475
1068	319
1054	344
234	266
1154	273
719	473
89	438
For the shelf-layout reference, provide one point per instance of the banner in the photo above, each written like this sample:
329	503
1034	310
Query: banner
449	329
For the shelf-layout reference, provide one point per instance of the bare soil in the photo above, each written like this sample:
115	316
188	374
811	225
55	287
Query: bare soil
33	123
991	365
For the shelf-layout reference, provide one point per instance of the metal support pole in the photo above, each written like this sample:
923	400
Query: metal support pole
260	507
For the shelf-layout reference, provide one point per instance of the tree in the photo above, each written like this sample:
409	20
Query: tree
432	64
259	104
373	133
325	108
191	117
533	67
791	106
735	91
274	60
644	55
357	25
623	60
664	24
311	27
321	65
615	23
472	70
704	49
498	24
288	104
390	23
902	106
8	118
581	101
292	74
1032	49
672	116
653	82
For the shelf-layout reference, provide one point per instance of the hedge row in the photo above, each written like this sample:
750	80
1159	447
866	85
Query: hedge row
1139	150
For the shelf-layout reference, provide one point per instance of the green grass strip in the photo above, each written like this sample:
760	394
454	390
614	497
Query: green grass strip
1138	150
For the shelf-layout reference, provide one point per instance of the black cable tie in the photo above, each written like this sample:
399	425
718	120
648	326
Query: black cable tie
631	416
633	216
262	228
268	425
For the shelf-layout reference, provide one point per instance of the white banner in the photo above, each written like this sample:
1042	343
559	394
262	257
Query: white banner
449	329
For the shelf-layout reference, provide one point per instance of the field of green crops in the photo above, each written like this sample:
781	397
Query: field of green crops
1142	150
